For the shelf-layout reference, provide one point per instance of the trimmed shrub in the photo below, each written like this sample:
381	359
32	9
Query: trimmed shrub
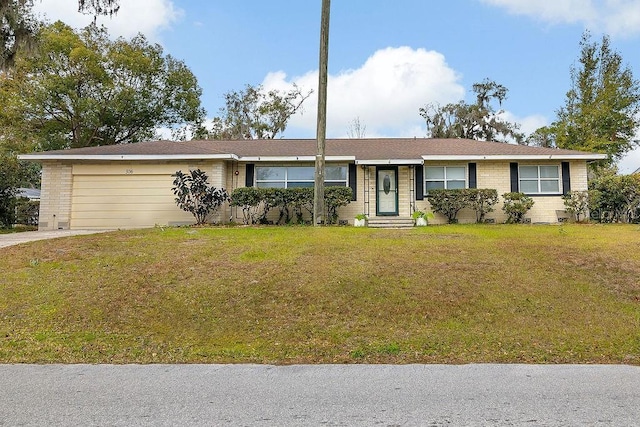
516	205
249	199
577	203
615	198
482	201
335	197
448	202
27	211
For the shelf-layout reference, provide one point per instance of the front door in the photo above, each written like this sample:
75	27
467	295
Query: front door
387	194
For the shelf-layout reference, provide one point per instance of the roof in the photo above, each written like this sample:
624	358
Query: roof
363	151
29	193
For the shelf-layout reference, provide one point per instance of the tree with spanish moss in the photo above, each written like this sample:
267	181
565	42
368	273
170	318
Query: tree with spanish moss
253	113
480	120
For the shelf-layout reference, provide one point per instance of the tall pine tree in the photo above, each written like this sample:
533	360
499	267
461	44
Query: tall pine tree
601	109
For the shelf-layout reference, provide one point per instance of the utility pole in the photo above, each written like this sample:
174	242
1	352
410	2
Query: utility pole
321	129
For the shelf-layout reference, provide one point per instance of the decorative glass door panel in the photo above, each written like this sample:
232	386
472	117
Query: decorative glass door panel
387	184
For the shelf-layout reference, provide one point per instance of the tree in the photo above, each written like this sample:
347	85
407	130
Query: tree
601	108
253	113
18	29
356	129
542	137
480	120
99	7
13	174
194	195
84	89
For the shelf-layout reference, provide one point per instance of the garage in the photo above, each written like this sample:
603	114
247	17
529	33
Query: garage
123	197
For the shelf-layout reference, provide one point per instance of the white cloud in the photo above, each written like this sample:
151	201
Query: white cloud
527	124
148	17
385	93
615	17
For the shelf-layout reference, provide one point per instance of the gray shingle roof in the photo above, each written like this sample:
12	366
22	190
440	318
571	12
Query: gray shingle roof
359	149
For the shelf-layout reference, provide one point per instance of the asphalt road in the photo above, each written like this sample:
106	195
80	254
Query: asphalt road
325	395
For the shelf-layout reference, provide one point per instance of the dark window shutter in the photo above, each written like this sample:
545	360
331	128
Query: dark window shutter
419	182
514	177
473	176
566	177
249	173
353	180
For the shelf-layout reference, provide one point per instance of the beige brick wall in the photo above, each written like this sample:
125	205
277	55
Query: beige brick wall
55	196
496	174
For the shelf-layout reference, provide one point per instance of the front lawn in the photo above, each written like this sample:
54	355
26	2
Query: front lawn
438	294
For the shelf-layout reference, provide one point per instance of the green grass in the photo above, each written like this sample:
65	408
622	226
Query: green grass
17	229
438	294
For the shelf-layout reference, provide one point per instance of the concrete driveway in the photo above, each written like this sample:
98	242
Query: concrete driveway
31	236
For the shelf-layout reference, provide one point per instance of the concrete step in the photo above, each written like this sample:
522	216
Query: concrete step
390	222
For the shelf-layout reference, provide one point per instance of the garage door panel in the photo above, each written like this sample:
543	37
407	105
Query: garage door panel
81	183
124	201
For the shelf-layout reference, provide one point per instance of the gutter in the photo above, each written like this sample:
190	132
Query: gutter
127	157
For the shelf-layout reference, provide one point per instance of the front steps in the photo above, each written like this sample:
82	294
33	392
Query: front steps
390	222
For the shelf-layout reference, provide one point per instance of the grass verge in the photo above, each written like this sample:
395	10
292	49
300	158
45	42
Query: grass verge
439	294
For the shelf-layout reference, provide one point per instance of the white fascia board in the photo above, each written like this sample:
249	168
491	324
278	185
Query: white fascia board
594	156
278	159
378	162
127	157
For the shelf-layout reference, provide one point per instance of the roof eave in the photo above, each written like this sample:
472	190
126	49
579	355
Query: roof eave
381	162
126	157
295	158
517	157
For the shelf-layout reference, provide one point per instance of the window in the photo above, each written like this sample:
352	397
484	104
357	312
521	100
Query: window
539	179
298	176
445	177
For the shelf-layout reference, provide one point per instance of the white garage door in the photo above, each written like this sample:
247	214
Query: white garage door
124	201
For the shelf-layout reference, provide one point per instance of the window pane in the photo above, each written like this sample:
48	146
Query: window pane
529	186
335	173
528	171
452	185
435	185
550	186
299	184
266	173
274	184
335	183
455	173
300	173
434	173
548	172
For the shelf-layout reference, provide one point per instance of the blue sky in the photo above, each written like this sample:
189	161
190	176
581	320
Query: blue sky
386	59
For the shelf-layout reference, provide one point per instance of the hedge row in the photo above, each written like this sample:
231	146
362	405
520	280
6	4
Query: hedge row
292	203
481	200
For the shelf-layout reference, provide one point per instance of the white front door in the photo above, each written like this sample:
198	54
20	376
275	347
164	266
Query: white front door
387	194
